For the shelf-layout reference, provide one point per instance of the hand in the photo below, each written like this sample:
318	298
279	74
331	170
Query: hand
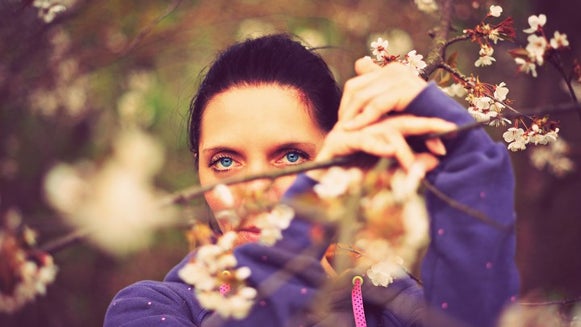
377	91
386	138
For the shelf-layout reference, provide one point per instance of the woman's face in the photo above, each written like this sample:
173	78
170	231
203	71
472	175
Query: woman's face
253	129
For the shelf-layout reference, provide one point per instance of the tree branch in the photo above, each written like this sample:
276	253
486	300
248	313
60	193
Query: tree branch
435	57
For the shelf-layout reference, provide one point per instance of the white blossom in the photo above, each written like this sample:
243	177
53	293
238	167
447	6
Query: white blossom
499	121
553	157
379	48
415	61
483	103
455	89
478	115
516	145
501	91
206	273
482	115
559	41
538	137
535	22
513	134
384	272
116	202
526	66
486	57
495	11
336	182
227	240
516	138
271	224
536	47
236	305
196	274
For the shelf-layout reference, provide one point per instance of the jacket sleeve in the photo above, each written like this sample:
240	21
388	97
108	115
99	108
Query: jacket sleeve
154	303
469	270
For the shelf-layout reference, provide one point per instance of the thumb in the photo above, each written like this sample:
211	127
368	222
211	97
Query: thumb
365	65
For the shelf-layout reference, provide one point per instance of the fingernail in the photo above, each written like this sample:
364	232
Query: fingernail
441	149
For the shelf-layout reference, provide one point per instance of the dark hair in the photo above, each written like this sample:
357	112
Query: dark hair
275	59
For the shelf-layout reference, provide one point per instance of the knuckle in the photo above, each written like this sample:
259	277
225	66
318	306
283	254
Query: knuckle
349	85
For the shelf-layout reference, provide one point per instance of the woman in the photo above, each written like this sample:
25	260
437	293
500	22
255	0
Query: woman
270	103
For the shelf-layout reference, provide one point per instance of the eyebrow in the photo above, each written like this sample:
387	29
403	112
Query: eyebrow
308	145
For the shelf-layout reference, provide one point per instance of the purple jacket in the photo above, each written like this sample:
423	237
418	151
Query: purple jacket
468	274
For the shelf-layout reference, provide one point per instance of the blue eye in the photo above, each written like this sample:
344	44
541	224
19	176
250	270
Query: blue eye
293	157
225	162
222	163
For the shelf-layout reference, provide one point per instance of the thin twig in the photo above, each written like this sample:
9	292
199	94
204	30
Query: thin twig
556	302
464	208
145	31
557	63
65	241
451	41
193	192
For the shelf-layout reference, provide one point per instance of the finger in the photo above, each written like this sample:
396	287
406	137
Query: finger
428	161
357	92
414	125
389	88
436	146
377	107
365	65
402	151
377	146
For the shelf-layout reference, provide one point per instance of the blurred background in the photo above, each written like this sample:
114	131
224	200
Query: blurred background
71	81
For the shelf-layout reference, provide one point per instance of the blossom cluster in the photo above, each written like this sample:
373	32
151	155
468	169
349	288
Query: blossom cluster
25	271
217	281
519	138
218	284
539	47
385	246
382	56
554	158
486	102
256	211
486	34
116	202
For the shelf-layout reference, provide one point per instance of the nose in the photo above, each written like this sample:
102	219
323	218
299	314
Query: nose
262	188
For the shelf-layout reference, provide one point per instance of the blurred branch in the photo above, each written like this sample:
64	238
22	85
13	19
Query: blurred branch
196	191
147	29
556	302
558	64
65	241
464	208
